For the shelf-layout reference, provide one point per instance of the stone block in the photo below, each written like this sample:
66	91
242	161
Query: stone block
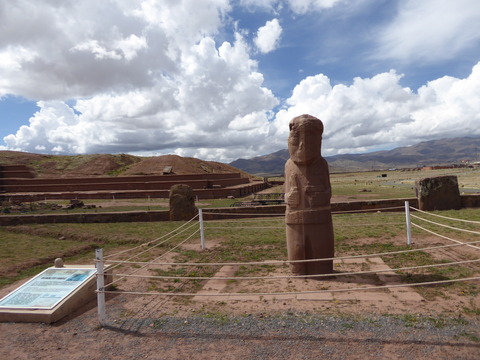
438	193
182	203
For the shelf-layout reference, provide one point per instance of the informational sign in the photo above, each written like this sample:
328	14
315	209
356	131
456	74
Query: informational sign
47	289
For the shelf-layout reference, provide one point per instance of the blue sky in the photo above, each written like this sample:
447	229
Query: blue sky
220	80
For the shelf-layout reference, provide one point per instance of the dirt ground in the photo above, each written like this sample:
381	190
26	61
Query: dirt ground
292	323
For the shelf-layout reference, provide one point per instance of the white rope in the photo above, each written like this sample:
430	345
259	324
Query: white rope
367	210
245	214
275	277
282	227
450	227
236	221
295	292
153	247
283	214
152	241
445	217
447	238
244	227
282	262
148	263
379	224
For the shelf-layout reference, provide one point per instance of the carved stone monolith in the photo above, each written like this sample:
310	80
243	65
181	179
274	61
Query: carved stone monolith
438	193
308	217
182	203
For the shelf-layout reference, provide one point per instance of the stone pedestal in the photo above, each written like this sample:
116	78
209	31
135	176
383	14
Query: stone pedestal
308	216
438	193
182	203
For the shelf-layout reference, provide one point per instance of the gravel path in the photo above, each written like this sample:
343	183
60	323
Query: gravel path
217	336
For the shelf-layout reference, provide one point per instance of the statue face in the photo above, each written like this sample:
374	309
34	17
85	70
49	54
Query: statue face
304	143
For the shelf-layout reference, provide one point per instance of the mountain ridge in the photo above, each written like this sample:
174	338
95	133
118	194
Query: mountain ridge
426	153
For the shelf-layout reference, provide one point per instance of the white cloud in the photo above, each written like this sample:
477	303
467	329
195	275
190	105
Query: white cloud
151	77
262	4
378	112
430	30
304	6
145	78
297	6
268	36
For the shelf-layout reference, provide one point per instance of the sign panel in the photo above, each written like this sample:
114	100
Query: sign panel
47	289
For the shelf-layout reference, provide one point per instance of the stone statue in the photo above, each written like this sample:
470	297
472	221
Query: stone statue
308	216
182	203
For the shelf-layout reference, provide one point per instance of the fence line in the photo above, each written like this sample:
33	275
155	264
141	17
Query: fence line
153	247
276	277
298	292
366	210
447	238
159	257
246	220
256	215
261	217
245	227
283	214
282	262
443	225
152	241
445	217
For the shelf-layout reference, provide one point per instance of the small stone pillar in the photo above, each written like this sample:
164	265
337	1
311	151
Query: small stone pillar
58	263
182	203
438	193
308	216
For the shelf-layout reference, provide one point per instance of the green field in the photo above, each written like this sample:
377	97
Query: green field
27	249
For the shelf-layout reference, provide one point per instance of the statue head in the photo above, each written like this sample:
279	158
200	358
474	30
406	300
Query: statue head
305	140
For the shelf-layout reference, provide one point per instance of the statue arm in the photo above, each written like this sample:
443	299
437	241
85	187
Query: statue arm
292	193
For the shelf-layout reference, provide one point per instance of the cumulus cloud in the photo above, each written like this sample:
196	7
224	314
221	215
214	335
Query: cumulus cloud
430	30
303	6
262	4
268	36
146	78
378	112
152	77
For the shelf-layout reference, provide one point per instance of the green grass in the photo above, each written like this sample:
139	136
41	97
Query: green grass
229	241
17	248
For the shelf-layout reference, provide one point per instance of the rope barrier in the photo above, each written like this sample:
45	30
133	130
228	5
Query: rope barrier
427	283
153	247
283	214
245	227
366	210
378	224
450	227
282	262
264	217
447	238
445	217
236	221
283	227
148	264
246	214
152	241
275	277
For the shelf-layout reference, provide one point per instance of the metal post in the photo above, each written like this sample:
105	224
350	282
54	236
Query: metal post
99	264
202	233
409	224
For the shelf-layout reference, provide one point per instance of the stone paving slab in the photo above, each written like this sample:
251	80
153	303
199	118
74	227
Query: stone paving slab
388	277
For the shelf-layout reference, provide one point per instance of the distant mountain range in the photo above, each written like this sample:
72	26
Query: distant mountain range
427	153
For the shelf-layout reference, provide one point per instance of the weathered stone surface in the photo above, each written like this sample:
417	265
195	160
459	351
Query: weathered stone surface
308	215
438	193
182	203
